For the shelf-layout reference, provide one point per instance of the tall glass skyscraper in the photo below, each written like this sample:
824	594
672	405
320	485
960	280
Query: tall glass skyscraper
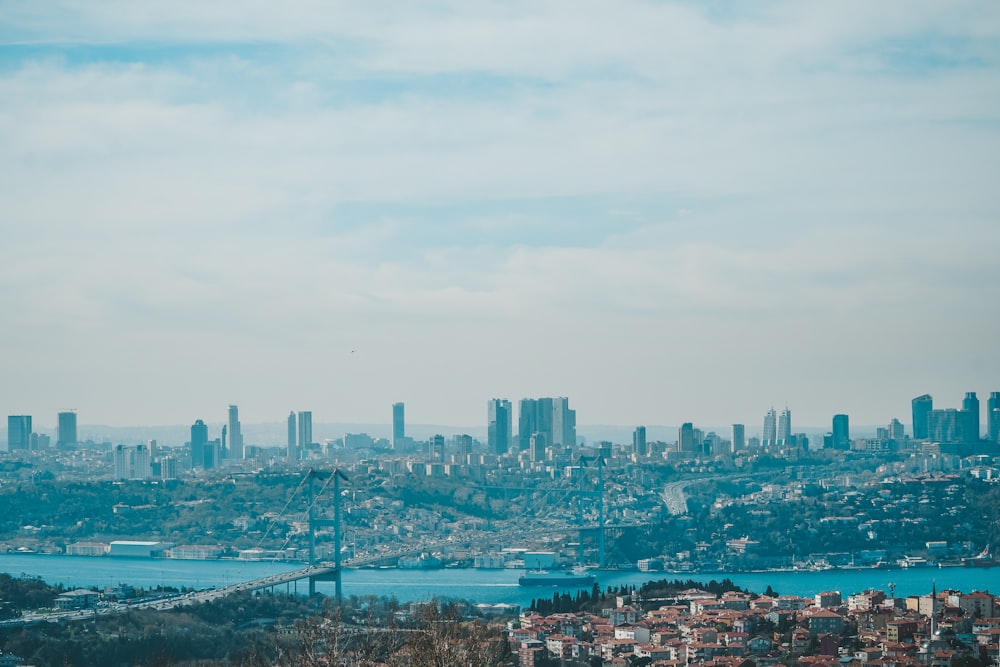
292	443
199	446
398	425
970	417
235	434
305	430
67	429
500	422
841	432
18	433
922	406
784	427
770	434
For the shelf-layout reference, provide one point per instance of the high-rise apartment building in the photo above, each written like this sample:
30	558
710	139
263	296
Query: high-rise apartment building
436	448
236	450
18	433
921	406
770	435
501	421
292	452
841	432
784	435
132	462
993	416
398	425
305	431
970	417
639	447
739	437
199	446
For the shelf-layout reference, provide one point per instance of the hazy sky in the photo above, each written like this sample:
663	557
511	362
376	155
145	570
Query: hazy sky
665	211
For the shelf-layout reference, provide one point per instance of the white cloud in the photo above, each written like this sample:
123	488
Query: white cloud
238	197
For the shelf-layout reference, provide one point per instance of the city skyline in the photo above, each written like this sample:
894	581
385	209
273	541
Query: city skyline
669	212
780	427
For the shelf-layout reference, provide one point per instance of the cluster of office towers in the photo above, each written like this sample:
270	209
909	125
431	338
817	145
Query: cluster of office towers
21	436
541	423
545	422
206	454
953	425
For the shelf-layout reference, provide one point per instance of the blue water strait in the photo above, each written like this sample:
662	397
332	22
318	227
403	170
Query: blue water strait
486	586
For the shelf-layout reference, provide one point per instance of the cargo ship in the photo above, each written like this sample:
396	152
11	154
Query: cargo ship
574	579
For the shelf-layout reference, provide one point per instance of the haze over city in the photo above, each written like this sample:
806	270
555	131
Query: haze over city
667	212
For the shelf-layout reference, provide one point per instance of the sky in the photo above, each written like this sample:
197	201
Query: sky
665	211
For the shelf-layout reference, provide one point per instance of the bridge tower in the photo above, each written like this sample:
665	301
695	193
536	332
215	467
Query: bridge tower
601	522
336	475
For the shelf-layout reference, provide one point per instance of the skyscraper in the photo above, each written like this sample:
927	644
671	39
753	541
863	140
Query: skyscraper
305	431
199	445
18	433
551	416
970	417
922	406
785	427
531	419
945	425
639	441
293	452
67	429
685	438
132	462
500	423
235	434
993	416
398	425
563	423
895	430
436	447
770	434
739	437
841	432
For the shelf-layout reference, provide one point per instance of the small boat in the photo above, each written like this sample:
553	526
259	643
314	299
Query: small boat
568	579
